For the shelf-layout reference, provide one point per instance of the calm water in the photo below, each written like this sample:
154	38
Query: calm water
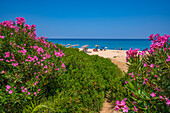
126	44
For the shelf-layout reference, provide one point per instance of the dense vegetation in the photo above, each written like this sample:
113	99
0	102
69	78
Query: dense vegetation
147	82
37	75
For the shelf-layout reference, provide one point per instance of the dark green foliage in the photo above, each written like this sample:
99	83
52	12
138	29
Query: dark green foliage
86	81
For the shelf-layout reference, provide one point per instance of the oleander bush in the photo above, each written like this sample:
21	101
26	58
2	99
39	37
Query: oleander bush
29	65
40	76
147	82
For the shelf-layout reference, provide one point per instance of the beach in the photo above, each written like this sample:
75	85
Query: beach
118	57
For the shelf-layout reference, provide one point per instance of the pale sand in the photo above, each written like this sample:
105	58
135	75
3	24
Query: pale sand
118	57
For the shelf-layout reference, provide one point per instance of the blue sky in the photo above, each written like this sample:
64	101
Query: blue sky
91	18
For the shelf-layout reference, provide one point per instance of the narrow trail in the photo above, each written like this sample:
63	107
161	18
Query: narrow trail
118	58
107	106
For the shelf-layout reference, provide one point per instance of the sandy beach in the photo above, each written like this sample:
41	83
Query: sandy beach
118	57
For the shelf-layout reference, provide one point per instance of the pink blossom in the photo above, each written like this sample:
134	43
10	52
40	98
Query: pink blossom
10	92
20	20
39	89
36	77
156	75
144	82
153	94
152	65
8	86
35	93
2	36
29	93
160	97
23	90
62	65
1	59
2	72
126	82
117	108
125	109
15	64
22	87
14	87
145	64
135	109
168	59
45	66
7	54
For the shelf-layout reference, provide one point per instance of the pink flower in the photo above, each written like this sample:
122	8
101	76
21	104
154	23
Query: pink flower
35	93
145	64
117	108
20	20
8	86
22	87
36	77
1	59
23	90
152	65
39	89
62	65
2	72
144	82
29	93
10	92
45	66
126	82
168	59
135	109
14	87
125	109
2	36
160	97
153	94
156	75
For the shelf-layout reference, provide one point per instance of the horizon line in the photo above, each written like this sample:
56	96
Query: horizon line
93	38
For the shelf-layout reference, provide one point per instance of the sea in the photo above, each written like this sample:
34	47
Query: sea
112	44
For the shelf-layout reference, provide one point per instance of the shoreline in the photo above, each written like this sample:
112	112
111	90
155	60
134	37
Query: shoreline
118	57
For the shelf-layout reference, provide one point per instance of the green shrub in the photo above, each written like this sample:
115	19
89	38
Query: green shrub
148	83
31	69
87	80
28	65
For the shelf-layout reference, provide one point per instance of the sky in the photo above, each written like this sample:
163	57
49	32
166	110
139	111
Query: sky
106	19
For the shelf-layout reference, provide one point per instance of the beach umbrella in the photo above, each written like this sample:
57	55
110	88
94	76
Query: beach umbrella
84	46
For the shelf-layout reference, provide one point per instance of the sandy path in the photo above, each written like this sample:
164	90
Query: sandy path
118	57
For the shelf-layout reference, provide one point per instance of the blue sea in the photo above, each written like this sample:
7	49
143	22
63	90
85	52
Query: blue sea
113	44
